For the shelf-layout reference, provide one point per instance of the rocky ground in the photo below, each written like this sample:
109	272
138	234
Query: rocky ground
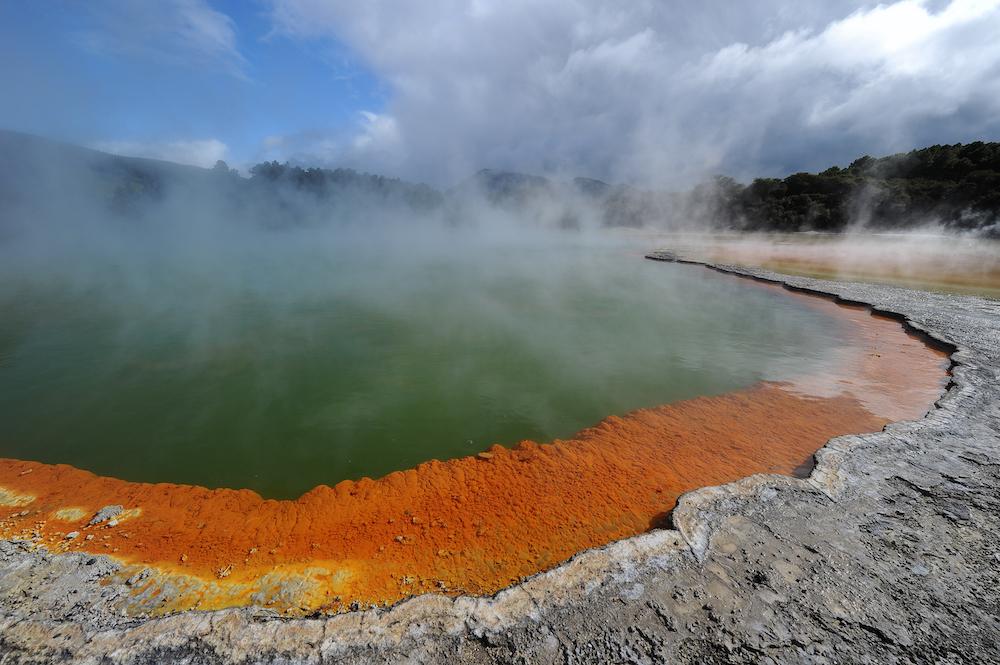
889	552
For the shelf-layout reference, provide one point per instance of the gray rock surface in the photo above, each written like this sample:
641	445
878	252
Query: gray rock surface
105	514
888	553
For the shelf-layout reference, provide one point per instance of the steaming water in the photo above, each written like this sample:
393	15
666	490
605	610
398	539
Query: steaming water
282	372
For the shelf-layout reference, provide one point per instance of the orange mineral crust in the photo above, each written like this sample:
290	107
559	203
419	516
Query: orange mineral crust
469	525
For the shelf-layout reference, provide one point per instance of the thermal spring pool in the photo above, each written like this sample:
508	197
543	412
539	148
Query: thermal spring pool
361	426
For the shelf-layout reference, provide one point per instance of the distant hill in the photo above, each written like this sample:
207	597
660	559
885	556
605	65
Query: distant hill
19	148
956	186
41	173
570	204
41	178
508	187
341	185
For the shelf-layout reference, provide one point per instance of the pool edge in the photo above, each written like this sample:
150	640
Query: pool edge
562	607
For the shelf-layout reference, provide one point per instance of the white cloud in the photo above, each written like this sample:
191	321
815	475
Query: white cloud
184	32
379	134
660	91
199	152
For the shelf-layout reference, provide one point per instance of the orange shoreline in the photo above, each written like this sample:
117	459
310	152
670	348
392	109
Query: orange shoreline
470	525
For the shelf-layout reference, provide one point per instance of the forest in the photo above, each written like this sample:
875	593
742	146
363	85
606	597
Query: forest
955	186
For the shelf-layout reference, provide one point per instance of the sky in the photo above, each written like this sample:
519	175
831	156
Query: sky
651	92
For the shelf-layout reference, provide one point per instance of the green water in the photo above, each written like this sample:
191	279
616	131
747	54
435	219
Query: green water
282	373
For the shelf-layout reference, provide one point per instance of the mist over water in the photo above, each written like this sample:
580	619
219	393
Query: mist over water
163	323
282	359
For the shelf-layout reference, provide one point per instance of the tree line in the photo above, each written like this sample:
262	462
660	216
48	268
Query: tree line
957	186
